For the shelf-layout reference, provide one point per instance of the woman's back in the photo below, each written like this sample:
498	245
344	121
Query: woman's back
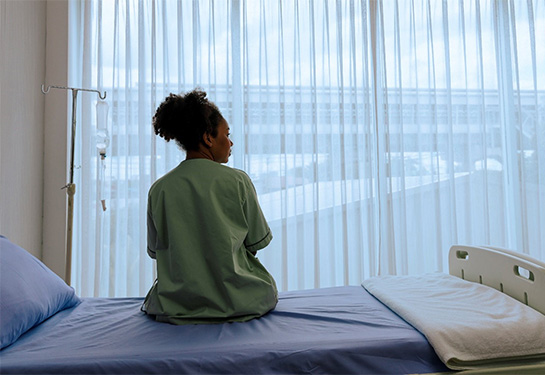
204	225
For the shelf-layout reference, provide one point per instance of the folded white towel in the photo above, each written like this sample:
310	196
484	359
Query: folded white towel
469	325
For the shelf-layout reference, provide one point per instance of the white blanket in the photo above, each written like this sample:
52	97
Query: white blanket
469	325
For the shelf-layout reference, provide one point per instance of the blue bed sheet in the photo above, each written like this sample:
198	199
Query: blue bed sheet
320	331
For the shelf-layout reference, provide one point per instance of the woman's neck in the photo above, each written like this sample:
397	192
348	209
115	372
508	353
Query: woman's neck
201	153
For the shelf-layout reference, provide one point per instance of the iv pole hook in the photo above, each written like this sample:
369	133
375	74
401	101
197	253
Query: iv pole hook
100	95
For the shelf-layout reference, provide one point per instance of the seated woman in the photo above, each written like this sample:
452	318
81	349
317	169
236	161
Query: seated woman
205	224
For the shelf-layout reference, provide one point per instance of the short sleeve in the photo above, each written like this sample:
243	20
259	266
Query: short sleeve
259	234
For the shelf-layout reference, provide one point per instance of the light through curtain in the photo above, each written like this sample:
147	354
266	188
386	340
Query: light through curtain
377	133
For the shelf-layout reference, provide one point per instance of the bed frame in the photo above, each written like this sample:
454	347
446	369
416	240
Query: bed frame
514	274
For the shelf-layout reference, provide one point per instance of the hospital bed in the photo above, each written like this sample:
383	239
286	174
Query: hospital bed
347	329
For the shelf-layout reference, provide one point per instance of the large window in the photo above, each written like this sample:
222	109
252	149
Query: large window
377	133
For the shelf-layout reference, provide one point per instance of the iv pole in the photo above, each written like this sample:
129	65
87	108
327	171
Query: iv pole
70	186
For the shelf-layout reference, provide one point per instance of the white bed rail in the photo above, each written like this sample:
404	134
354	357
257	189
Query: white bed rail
515	274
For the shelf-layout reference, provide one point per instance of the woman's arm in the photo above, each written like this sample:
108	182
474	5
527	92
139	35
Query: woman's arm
259	234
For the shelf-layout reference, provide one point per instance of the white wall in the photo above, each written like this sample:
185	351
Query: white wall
22	71
33	126
56	122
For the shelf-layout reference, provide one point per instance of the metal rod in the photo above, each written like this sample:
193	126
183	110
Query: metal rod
72	147
71	191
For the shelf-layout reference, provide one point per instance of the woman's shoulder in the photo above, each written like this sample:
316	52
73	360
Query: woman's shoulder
219	169
233	175
238	173
202	171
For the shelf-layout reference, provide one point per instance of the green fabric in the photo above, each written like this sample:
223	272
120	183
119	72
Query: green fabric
204	224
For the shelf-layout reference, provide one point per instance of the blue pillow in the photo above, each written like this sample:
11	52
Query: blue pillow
29	292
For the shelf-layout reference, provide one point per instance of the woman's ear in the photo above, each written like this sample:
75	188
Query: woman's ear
207	139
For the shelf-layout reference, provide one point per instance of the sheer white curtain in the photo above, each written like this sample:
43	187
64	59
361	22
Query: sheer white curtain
377	133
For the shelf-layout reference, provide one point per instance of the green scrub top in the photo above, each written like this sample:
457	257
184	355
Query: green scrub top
204	227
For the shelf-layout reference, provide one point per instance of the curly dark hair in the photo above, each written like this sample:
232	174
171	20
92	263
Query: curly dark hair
186	118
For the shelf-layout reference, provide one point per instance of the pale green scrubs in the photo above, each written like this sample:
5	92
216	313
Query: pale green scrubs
204	224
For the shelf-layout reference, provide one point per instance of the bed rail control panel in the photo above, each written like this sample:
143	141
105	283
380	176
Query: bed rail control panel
515	274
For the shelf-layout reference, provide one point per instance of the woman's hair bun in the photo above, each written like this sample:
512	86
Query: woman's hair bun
185	118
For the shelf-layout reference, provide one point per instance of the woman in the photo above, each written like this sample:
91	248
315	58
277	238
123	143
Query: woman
205	224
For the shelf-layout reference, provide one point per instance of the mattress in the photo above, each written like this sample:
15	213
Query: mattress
320	331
